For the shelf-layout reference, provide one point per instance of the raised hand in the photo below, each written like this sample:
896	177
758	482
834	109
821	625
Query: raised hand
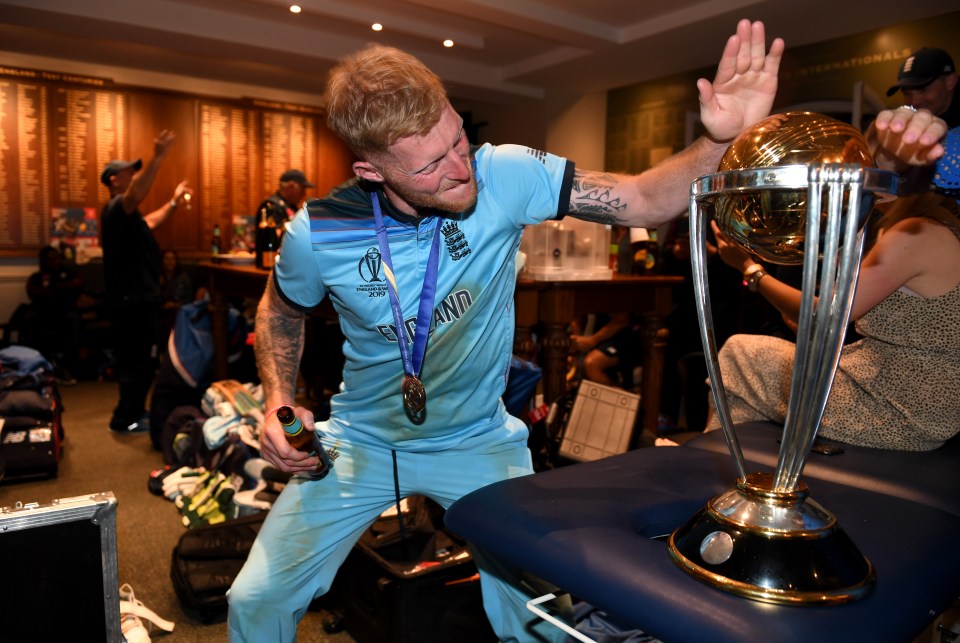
162	142
743	90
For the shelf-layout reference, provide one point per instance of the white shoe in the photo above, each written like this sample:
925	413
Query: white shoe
133	629
131	611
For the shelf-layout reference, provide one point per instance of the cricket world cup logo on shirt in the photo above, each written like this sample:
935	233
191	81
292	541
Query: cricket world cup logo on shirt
370	266
370	269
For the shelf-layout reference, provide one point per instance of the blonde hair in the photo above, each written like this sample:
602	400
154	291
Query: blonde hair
379	95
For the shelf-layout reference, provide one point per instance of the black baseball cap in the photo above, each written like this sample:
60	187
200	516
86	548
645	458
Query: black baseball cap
298	176
921	68
115	166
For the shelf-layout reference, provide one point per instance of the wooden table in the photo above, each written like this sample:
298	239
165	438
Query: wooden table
553	304
224	280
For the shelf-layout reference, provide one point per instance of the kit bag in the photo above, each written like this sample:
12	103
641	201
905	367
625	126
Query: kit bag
207	559
31	430
29	447
421	586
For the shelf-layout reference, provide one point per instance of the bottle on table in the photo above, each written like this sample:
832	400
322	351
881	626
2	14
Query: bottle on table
267	241
217	243
645	252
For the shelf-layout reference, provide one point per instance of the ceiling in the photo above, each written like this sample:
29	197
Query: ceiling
506	50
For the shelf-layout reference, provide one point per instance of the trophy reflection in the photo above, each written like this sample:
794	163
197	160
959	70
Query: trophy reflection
795	188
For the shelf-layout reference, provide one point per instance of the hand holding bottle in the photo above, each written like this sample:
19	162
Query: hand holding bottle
183	194
295	447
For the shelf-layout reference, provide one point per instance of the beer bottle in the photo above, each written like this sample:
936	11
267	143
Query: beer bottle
299	438
268	241
653	253
217	243
303	440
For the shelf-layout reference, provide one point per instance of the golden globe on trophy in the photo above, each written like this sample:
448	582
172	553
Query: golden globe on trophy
794	188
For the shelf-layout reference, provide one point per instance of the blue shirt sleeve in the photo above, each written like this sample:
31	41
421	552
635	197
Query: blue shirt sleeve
295	273
529	185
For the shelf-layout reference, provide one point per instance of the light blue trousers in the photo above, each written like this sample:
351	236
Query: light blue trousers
314	524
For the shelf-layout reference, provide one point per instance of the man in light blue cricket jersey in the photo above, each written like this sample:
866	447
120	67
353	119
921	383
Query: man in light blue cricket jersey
417	257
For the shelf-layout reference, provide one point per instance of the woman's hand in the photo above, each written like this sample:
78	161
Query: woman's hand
731	254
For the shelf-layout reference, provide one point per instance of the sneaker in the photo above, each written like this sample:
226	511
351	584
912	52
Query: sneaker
137	426
131	611
132	629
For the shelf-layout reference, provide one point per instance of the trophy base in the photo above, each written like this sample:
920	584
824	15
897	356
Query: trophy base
772	546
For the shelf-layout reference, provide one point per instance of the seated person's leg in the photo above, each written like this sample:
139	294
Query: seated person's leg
596	365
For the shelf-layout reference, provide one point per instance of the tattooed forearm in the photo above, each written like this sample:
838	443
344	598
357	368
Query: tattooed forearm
279	346
597	197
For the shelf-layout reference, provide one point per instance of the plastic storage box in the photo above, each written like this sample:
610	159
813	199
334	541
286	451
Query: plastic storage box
567	250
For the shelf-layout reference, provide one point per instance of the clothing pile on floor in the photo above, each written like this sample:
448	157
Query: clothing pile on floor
213	471
31	428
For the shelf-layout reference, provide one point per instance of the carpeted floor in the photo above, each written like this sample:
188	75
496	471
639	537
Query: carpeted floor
148	526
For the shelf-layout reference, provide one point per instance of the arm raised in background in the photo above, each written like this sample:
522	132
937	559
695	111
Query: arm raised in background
916	252
142	181
741	94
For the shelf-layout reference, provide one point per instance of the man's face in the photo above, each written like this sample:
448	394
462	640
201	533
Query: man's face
120	181
433	171
935	97
293	193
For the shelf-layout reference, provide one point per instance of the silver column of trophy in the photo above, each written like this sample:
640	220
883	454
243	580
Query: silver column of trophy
795	188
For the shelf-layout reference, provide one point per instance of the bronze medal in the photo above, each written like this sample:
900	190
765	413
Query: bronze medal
414	395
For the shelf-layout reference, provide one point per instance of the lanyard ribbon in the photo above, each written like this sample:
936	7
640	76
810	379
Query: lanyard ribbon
411	364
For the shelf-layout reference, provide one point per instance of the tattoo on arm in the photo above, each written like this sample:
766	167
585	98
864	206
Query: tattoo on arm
597	197
279	341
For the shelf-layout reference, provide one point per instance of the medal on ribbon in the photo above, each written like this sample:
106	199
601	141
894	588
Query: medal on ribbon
412	390
414	395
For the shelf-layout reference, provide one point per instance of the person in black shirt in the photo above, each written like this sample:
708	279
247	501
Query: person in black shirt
284	203
132	267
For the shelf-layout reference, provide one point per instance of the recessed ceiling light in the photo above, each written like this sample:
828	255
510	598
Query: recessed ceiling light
448	43
376	26
295	8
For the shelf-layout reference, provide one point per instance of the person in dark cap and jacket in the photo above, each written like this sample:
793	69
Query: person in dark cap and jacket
284	203
132	267
272	215
928	80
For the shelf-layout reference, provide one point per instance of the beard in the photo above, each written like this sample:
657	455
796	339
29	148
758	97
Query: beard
440	200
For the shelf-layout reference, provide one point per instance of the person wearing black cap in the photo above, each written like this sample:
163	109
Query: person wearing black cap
276	210
928	80
284	203
132	267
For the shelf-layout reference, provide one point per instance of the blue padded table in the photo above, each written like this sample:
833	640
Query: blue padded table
592	528
928	477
